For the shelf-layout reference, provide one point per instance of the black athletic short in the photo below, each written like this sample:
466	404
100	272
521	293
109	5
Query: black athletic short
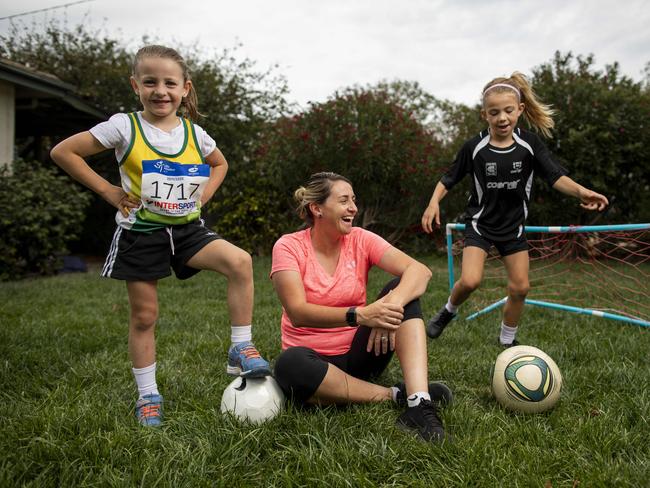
505	248
141	256
300	370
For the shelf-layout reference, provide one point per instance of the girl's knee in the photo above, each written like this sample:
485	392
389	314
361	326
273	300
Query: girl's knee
242	263
519	290
144	318
470	284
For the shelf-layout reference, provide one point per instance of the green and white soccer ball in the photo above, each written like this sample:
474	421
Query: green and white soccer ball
526	379
254	400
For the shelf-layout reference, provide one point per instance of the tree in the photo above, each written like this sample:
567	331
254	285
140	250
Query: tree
366	136
237	99
452	124
601	136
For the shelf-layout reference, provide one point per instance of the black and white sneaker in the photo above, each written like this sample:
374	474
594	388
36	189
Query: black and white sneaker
506	346
438	323
422	420
440	394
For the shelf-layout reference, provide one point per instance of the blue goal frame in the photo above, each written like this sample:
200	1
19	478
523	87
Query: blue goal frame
539	303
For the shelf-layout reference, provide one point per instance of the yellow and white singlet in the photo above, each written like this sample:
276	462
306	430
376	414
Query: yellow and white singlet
168	185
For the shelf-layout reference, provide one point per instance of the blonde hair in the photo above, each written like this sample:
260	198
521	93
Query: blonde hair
538	114
190	104
317	190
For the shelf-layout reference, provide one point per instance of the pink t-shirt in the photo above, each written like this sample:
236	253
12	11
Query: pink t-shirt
360	250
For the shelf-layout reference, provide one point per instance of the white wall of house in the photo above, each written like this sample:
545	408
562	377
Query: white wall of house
7	122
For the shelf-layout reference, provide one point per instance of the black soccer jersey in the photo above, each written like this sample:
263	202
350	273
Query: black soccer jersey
502	181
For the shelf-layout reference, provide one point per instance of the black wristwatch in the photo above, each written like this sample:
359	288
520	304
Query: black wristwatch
351	317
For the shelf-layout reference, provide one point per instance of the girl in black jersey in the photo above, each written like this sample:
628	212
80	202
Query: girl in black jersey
502	162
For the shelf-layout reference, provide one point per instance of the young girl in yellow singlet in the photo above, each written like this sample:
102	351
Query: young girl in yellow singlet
169	168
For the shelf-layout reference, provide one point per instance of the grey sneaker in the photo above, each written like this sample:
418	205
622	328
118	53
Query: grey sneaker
506	346
440	394
149	411
422	420
439	321
245	360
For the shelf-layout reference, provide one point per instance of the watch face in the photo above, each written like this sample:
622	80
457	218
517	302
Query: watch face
351	317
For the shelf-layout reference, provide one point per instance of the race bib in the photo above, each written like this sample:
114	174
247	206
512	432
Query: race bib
172	189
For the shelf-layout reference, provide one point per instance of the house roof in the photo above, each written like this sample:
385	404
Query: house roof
45	104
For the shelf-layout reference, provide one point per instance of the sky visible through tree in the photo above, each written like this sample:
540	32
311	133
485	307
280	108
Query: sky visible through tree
452	48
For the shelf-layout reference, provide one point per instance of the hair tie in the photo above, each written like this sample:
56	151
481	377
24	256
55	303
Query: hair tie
503	85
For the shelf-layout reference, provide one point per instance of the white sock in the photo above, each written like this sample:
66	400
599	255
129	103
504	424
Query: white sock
241	333
145	379
415	399
451	307
507	334
394	392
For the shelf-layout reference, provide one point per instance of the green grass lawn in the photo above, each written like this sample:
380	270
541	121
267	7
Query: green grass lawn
67	398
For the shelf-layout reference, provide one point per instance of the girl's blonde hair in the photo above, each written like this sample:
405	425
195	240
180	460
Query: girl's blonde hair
190	103
538	114
317	190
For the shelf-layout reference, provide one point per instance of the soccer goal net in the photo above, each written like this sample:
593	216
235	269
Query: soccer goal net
599	270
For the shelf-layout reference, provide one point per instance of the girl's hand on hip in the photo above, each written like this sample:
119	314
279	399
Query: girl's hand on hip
120	200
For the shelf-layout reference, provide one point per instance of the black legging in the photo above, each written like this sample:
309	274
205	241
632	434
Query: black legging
300	370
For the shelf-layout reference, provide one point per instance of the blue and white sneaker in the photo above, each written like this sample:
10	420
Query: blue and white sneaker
148	410
245	360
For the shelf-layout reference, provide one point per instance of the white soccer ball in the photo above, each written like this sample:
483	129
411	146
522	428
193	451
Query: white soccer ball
253	399
526	379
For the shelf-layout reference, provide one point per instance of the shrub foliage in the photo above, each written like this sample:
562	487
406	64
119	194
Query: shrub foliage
42	213
601	136
363	134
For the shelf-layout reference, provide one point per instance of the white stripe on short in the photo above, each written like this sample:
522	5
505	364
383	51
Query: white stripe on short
112	253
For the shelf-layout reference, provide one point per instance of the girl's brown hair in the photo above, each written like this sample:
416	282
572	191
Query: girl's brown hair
190	103
538	114
317	190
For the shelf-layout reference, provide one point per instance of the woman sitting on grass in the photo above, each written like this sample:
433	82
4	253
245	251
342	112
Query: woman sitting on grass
333	342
